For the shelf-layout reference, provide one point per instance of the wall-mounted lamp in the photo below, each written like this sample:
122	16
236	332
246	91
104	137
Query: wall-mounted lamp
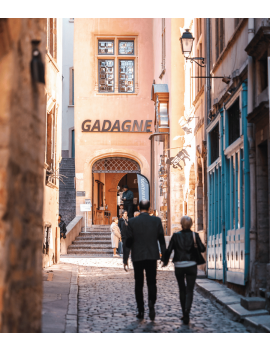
186	45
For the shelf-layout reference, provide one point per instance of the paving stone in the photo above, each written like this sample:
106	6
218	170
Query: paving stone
106	302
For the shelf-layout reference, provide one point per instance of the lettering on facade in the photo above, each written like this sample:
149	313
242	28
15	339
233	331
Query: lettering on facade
107	126
179	160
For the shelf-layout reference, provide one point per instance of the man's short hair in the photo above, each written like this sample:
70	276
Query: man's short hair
186	222
144	205
126	187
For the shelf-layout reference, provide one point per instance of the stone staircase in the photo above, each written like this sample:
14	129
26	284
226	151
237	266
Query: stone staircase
67	192
96	241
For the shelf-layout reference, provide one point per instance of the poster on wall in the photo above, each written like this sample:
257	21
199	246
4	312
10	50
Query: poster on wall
143	187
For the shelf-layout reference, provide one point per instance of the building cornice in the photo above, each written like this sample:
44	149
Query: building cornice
259	43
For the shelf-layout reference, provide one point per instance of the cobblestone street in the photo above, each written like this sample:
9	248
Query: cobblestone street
107	303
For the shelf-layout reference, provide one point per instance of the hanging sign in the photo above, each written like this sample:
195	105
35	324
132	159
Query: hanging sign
143	187
126	126
179	160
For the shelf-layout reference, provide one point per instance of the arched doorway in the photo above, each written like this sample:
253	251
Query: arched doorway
107	174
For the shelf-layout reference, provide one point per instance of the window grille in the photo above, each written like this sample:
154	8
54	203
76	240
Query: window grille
106	76
126	76
116	165
106	47
126	47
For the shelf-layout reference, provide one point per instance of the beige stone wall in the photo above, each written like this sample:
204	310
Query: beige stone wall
22	136
53	90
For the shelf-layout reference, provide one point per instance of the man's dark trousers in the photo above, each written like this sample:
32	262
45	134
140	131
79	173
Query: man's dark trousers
150	267
129	208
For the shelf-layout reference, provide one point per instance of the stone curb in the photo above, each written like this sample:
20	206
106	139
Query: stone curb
72	313
221	295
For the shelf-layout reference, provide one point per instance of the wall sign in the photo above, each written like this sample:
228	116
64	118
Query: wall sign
80	193
127	126
178	161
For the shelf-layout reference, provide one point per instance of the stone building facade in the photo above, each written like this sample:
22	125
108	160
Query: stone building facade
112	110
231	137
53	116
22	140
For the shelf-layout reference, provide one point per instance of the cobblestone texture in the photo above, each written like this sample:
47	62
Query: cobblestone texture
107	303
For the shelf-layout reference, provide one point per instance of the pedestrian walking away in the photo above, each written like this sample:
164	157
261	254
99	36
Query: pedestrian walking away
115	235
127	197
63	228
141	237
187	247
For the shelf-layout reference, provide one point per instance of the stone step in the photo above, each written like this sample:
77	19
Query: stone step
91	240
95	234
91	252
90	246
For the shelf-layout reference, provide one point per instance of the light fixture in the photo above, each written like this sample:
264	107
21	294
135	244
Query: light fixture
186	45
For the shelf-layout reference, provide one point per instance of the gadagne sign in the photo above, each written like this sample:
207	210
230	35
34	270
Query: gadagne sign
127	126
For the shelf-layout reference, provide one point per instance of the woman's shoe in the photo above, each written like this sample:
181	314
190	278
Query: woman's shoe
116	255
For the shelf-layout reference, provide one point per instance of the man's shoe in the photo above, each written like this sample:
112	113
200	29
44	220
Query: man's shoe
152	313
140	315
186	317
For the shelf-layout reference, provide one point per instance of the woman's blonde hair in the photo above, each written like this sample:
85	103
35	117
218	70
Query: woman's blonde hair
186	222
114	219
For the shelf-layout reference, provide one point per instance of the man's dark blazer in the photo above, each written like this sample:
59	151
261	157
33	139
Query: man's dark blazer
142	234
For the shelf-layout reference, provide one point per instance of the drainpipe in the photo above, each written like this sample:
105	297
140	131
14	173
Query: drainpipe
252	164
208	107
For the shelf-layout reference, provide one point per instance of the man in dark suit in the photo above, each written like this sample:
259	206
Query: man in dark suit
141	237
127	197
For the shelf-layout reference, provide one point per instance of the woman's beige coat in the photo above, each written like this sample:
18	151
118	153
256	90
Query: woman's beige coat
115	235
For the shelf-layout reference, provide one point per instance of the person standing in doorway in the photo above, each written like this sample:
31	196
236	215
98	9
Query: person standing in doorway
186	245
127	197
141	236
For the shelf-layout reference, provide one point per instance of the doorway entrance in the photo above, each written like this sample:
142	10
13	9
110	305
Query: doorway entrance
130	179
109	175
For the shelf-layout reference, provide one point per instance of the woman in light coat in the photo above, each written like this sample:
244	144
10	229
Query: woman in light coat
115	235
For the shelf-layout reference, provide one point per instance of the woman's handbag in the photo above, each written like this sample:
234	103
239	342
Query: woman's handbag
199	258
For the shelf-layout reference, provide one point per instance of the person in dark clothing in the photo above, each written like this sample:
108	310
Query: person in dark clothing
127	197
121	222
63	228
141	236
184	262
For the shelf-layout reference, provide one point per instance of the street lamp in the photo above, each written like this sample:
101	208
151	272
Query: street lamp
186	45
